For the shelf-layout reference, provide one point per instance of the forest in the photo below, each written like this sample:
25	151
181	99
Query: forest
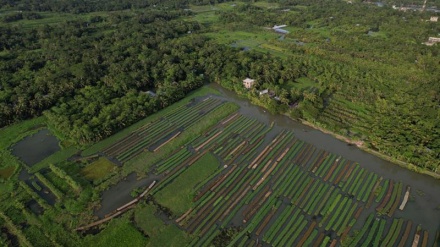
91	74
125	102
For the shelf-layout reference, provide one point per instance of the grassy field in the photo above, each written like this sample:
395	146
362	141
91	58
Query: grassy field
49	18
159	234
171	236
146	220
178	196
118	233
7	172
99	169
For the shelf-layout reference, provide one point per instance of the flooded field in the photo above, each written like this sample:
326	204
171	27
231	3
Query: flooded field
37	147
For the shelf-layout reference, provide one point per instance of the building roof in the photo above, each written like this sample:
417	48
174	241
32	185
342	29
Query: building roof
279	26
265	91
249	80
279	30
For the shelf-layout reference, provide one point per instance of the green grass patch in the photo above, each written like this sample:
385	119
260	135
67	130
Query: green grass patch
204	17
118	233
51	18
170	236
178	195
304	82
98	169
14	133
147	221
58	182
268	5
6	173
158	232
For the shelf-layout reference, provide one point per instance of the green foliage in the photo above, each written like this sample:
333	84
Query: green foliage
178	195
121	134
171	236
159	234
52	188
62	174
99	169
142	163
7	172
145	219
117	233
16	231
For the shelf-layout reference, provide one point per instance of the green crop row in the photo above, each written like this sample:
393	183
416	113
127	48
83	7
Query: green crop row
297	231
396	234
343	207
312	236
324	201
371	233
369	188
379	234
276	226
290	229
340	165
383	190
366	182
344	184
362	232
357	182
313	189
346	217
317	196
396	189
323	168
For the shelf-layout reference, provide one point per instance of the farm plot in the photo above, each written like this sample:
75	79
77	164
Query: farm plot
152	136
282	191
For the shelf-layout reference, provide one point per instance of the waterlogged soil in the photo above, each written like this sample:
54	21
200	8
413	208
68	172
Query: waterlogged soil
44	193
424	206
37	147
35	207
120	193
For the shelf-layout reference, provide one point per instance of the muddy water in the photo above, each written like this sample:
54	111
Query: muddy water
35	148
119	194
44	193
423	209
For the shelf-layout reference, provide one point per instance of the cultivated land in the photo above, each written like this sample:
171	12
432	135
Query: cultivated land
222	178
219	175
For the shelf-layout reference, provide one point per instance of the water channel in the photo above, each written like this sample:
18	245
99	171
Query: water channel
423	208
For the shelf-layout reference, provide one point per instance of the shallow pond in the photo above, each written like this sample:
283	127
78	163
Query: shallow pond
37	147
120	193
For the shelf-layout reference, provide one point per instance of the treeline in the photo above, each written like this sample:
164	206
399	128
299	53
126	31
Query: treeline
85	70
87	6
369	56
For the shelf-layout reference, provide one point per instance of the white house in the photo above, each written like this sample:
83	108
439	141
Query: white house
248	83
265	91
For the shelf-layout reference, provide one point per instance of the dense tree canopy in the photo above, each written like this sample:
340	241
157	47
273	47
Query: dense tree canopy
367	74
